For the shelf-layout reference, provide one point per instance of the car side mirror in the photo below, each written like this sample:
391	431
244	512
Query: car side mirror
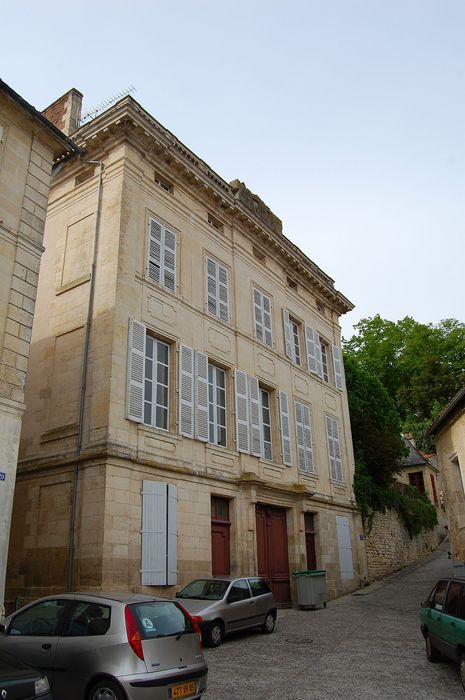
426	604
176	595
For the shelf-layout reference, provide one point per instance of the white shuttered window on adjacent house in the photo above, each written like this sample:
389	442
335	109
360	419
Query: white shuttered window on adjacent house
262	317
217	290
304	437
161	265
159	534
334	448
338	368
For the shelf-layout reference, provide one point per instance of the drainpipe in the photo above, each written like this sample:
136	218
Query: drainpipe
82	400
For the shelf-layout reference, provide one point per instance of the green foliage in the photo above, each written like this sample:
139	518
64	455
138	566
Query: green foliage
422	366
378	447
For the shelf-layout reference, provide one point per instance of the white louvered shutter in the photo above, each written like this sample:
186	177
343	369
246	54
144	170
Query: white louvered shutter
154	542
162	255
136	360
334	448
223	294
304	437
346	566
172	537
262	316
169	261
314	359
338	368
285	423
255	422
241	398
186	391
288	339
217	290
201	396
155	251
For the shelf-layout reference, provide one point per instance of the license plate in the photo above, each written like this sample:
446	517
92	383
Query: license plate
183	690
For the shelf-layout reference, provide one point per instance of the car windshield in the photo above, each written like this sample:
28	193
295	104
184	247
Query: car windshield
205	589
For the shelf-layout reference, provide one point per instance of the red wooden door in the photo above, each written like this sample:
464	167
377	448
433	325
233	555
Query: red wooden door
220	537
272	552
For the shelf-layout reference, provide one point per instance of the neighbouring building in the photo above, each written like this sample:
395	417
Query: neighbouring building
29	147
417	470
449	433
186	406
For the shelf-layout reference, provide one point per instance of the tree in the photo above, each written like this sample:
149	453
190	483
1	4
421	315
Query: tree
378	447
422	366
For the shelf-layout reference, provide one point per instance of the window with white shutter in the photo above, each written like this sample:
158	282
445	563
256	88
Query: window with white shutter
256	433
148	393
334	448
338	368
285	423
314	360
201	396
217	405
159	534
265	428
304	437
262	317
161	265
217	290
292	337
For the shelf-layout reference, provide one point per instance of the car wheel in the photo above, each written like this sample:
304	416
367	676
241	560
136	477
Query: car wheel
214	635
462	669
106	690
432	653
268	625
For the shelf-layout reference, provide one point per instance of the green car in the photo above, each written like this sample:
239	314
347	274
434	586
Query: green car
443	622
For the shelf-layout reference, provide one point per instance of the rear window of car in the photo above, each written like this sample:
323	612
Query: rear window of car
160	619
258	586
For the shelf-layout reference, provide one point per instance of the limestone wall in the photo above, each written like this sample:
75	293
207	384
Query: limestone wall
390	548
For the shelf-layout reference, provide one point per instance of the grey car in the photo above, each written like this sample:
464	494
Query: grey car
110	646
223	604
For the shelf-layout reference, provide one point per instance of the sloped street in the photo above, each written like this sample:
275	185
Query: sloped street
365	645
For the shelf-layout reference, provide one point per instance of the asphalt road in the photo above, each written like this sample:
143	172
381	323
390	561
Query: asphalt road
361	646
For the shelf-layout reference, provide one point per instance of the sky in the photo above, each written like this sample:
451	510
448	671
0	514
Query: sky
346	117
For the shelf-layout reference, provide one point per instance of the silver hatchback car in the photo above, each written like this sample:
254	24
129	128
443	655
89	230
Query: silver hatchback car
223	604
110	646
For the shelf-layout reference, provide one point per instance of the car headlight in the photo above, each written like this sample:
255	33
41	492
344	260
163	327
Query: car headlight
41	686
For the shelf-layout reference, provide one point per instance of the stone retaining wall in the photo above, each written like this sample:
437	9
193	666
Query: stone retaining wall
389	547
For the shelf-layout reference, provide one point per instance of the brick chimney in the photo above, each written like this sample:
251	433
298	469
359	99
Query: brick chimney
65	112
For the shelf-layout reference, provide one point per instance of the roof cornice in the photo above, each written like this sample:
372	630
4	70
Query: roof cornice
138	127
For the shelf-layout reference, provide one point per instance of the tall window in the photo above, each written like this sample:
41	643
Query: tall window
310	544
216	405
148	391
217	290
267	451
334	448
324	360
262	316
161	265
156	383
292	331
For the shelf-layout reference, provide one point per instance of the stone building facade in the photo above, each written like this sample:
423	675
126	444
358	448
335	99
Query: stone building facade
449	433
29	145
186	407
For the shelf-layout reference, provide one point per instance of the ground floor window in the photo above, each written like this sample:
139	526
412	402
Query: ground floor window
220	534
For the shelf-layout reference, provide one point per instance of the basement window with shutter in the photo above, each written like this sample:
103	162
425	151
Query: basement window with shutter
159	534
148	391
161	263
163	183
217	283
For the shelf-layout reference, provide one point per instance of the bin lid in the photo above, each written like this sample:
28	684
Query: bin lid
311	572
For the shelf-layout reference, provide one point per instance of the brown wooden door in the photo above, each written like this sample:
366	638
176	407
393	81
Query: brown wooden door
220	537
310	540
272	552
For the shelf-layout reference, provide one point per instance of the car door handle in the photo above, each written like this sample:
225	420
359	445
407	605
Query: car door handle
46	647
452	624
